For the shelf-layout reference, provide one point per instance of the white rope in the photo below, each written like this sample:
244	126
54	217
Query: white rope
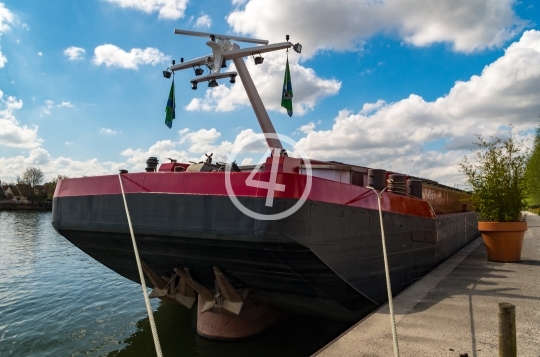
141	276
386	270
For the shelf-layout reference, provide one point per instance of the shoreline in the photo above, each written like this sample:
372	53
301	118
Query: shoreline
11	206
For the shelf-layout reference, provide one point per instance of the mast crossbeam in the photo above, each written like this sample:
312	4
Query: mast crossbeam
223	50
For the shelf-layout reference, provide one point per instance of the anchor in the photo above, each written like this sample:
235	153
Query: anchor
225	300
167	289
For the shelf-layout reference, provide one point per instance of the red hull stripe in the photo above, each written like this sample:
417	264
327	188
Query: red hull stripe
213	183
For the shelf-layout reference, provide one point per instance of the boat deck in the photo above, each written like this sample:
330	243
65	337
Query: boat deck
454	309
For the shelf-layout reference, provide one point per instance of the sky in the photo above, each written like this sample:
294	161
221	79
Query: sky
401	85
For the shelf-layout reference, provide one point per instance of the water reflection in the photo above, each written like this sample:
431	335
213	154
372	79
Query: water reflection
296	336
23	232
54	299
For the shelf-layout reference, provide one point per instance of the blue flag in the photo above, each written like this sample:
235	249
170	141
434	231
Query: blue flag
286	96
169	109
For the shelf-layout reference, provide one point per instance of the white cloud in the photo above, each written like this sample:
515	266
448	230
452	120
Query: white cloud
307	128
467	25
12	134
65	105
49	105
40	54
74	53
249	141
6	18
371	107
167	9
198	143
108	131
3	60
11	103
162	150
26	26
308	88
113	56
397	136
204	21
51	167
46	109
202	141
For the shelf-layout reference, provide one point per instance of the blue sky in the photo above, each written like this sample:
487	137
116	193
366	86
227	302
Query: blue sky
401	85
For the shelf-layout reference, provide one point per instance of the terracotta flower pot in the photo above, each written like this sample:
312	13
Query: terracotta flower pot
503	240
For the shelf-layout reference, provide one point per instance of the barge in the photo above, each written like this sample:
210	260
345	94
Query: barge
324	259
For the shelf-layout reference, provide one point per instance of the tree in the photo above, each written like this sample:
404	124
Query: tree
32	176
50	187
533	171
497	178
58	178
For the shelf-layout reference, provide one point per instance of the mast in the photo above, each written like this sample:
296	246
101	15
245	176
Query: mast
223	50
257	104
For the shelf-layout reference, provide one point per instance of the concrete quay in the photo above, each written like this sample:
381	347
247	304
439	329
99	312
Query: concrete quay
454	309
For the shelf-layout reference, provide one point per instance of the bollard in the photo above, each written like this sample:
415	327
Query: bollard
507	330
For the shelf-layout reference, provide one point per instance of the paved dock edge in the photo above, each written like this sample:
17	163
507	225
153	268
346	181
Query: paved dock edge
453	310
411	296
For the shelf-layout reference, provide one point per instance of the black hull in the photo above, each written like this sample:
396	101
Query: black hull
324	260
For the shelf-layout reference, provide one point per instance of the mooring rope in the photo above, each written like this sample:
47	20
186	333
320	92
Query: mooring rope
452	214
141	276
387	272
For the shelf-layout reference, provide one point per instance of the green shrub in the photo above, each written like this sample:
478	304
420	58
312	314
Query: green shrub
533	171
497	178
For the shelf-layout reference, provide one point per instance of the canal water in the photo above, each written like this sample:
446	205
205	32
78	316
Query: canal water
57	301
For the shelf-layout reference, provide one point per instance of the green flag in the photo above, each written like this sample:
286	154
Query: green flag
169	109
286	96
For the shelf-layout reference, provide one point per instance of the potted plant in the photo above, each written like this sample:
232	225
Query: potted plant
499	191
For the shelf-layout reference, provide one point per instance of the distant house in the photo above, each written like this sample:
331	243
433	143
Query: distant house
26	193
3	189
39	190
12	192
